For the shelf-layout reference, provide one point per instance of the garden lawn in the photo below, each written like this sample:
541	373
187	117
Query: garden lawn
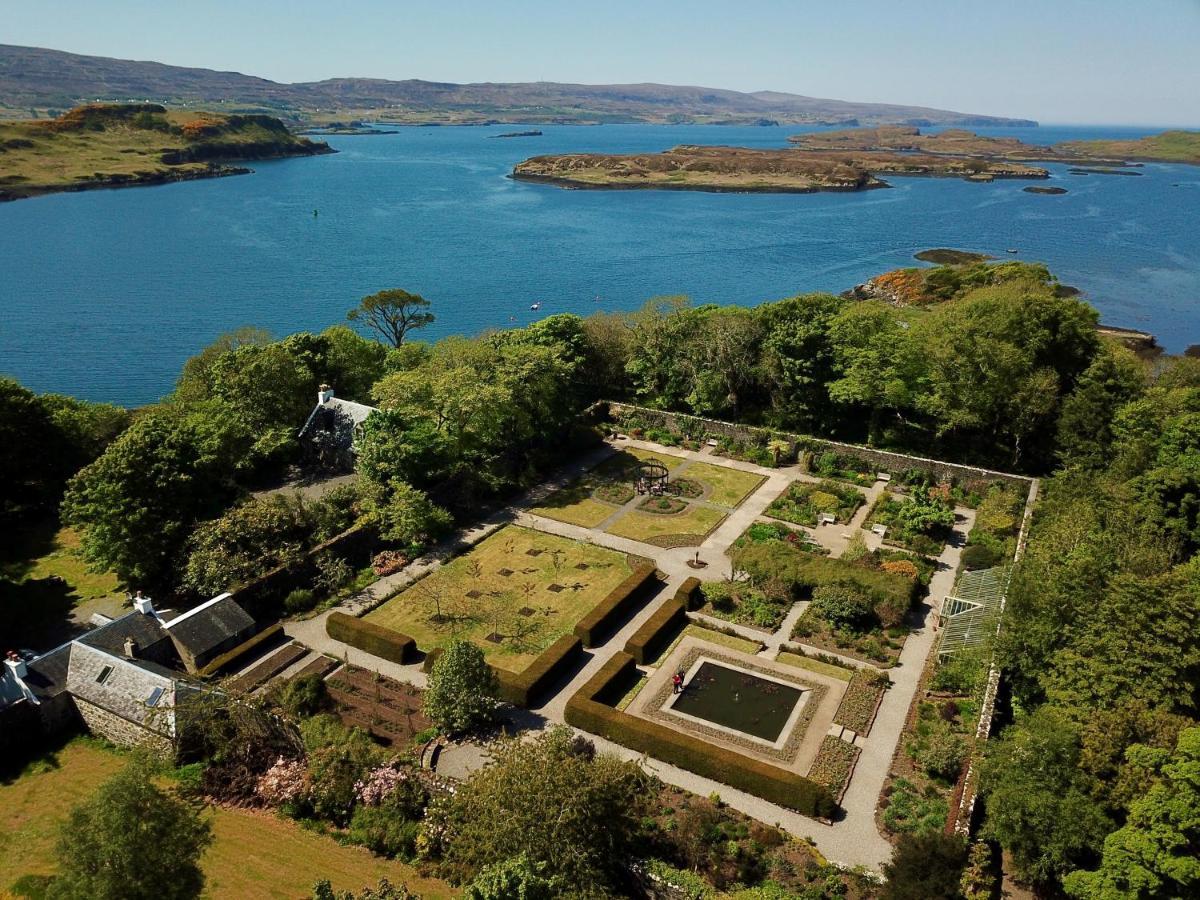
253	855
575	505
730	641
814	665
500	599
685	529
624	462
729	487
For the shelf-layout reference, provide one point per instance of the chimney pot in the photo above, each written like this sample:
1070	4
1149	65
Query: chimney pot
16	665
324	394
143	604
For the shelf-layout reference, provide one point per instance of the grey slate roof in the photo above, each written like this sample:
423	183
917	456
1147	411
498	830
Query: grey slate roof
127	689
210	624
145	630
46	676
338	415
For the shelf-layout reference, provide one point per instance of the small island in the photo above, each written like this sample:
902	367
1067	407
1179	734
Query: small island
130	144
943	256
517	134
345	128
1039	189
741	170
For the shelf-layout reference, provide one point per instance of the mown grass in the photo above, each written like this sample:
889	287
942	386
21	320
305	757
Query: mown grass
729	641
254	854
501	597
729	486
814	665
685	529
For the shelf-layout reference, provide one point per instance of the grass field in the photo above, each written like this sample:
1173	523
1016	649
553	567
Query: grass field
49	584
729	486
254	854
814	665
686	529
555	586
729	641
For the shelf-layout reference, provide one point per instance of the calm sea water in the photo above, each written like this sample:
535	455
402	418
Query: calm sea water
104	294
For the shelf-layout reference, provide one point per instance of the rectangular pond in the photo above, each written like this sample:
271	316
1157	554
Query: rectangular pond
738	700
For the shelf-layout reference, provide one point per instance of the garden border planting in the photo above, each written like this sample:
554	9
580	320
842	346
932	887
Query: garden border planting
741	772
617	605
857	710
835	762
371	638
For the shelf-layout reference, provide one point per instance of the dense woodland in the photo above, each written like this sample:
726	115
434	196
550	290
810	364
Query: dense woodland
1093	784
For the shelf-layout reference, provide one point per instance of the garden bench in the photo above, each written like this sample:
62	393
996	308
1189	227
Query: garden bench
880	530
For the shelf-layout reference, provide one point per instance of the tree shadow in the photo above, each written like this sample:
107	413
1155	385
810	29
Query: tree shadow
37	613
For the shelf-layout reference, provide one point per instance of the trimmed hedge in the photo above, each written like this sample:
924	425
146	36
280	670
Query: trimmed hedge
769	782
657	631
219	662
621	600
689	594
521	688
371	638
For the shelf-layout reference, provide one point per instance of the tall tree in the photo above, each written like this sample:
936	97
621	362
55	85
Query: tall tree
1157	853
392	314
582	823
462	689
131	841
138	502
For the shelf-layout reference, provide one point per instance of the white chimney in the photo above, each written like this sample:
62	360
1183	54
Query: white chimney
143	604
324	394
16	666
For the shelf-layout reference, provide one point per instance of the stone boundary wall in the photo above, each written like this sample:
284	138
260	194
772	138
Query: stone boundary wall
883	460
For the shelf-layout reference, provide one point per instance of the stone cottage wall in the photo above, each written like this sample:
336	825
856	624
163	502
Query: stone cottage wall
120	731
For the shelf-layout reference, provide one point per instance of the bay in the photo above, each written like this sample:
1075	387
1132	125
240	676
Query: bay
104	294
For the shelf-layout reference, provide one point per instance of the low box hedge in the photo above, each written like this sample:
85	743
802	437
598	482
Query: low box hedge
657	631
621	600
371	638
521	688
689	594
769	782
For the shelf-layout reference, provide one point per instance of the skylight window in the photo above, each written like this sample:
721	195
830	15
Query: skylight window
104	673
155	696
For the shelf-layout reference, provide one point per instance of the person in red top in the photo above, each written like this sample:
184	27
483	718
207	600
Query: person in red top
676	683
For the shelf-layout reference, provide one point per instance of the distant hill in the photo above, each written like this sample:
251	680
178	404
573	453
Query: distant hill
39	79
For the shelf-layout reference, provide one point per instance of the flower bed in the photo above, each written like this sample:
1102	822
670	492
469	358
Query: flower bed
662	506
843	467
741	603
861	701
802	502
918	523
834	765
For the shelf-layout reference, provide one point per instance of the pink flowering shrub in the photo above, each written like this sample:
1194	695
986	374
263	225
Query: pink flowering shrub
283	782
397	787
388	562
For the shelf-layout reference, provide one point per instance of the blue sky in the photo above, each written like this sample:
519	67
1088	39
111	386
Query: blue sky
1059	61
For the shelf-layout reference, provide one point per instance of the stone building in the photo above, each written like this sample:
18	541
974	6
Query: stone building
125	679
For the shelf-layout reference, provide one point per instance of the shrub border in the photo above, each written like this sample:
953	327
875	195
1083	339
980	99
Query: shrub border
741	772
